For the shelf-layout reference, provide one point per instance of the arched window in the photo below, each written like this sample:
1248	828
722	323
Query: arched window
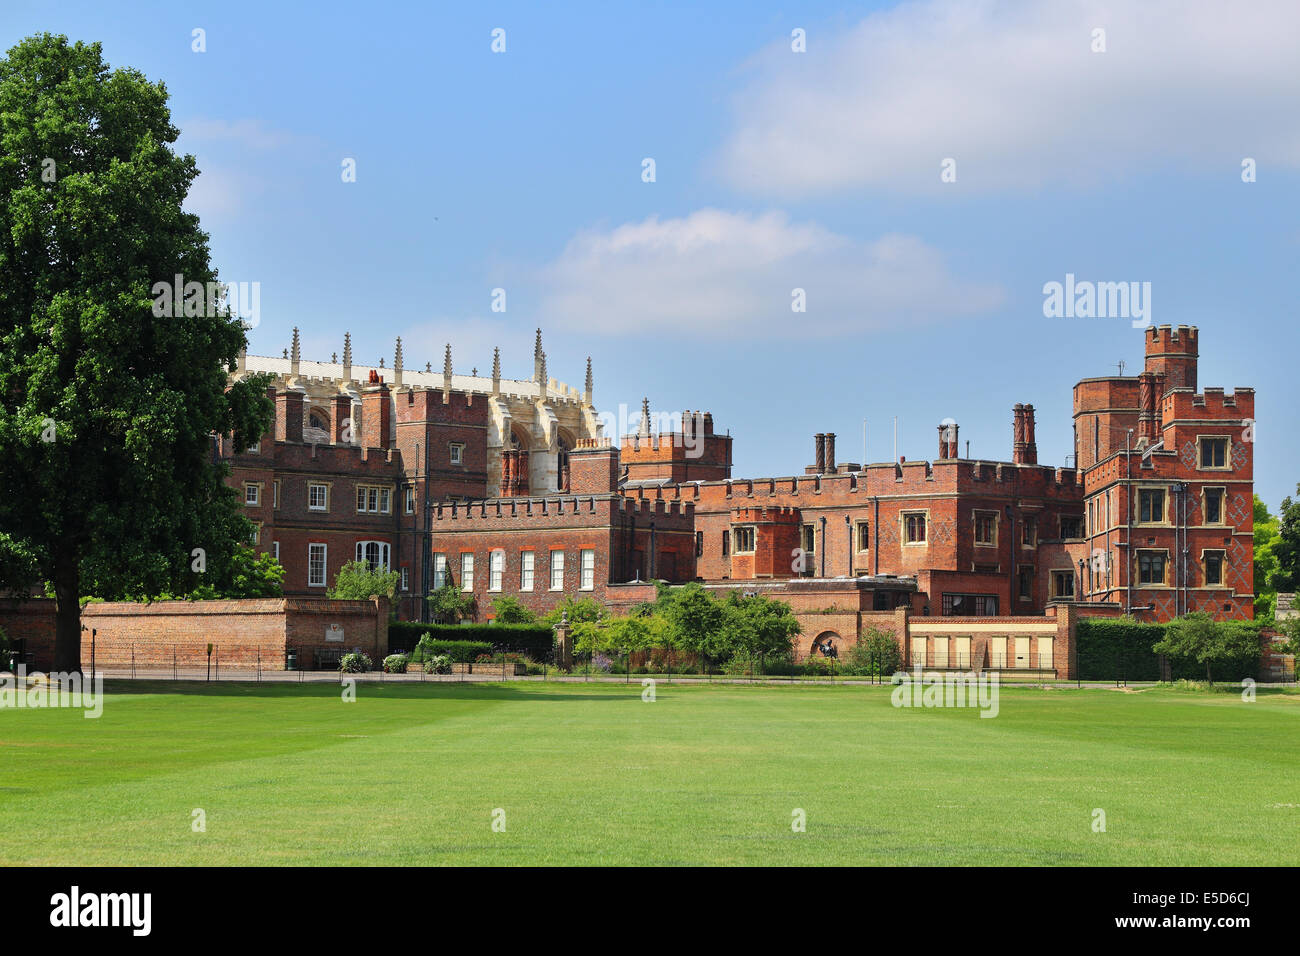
374	553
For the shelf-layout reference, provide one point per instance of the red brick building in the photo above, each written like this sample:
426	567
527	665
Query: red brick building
510	487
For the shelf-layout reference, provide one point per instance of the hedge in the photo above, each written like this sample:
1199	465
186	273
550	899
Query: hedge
461	652
1111	648
534	640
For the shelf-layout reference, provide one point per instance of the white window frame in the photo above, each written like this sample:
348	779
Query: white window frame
496	569
374	500
439	569
467	570
275	550
406	581
747	530
557	569
256	489
314	486
456	453
410	499
526	560
385	552
587	569
324	565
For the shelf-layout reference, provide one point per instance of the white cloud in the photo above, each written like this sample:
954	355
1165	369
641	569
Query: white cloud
222	194
715	272
1013	92
249	133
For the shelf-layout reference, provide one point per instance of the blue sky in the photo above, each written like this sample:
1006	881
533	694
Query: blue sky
774	170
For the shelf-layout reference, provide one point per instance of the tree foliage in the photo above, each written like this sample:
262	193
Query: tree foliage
357	581
1265	538
450	605
107	411
1286	548
1198	637
510	610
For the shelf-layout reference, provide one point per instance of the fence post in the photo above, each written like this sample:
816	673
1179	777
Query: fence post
133	661
173	662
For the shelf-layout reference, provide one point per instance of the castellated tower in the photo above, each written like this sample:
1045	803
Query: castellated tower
1172	352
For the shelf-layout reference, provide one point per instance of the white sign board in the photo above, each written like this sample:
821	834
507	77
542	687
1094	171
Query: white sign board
334	632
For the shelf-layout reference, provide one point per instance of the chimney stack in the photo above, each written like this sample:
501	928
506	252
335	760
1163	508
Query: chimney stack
376	416
288	415
343	429
948	439
820	460
1031	446
830	453
1018	433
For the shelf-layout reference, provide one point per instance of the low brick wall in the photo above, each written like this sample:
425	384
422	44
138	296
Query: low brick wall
243	633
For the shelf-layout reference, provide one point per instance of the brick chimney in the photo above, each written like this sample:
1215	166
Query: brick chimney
830	454
1031	446
1150	389
376	416
819	463
593	467
342	412
1018	433
948	440
288	415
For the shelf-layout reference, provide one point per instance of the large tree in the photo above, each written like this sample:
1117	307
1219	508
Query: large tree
107	410
1199	637
1286	549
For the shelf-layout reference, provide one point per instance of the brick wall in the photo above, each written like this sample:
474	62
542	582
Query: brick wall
242	632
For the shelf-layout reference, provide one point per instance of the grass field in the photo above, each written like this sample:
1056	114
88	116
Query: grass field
590	774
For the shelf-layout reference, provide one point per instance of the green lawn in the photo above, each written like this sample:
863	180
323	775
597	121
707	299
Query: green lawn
589	774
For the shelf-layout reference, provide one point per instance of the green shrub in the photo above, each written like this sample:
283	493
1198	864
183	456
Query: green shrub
742	664
462	652
1110	648
438	664
533	640
355	663
816	666
877	654
395	663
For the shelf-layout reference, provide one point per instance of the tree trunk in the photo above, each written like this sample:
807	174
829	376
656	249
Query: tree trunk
67	617
1208	678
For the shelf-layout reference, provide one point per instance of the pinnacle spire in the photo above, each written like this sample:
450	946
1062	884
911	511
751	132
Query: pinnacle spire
446	375
644	428
586	390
